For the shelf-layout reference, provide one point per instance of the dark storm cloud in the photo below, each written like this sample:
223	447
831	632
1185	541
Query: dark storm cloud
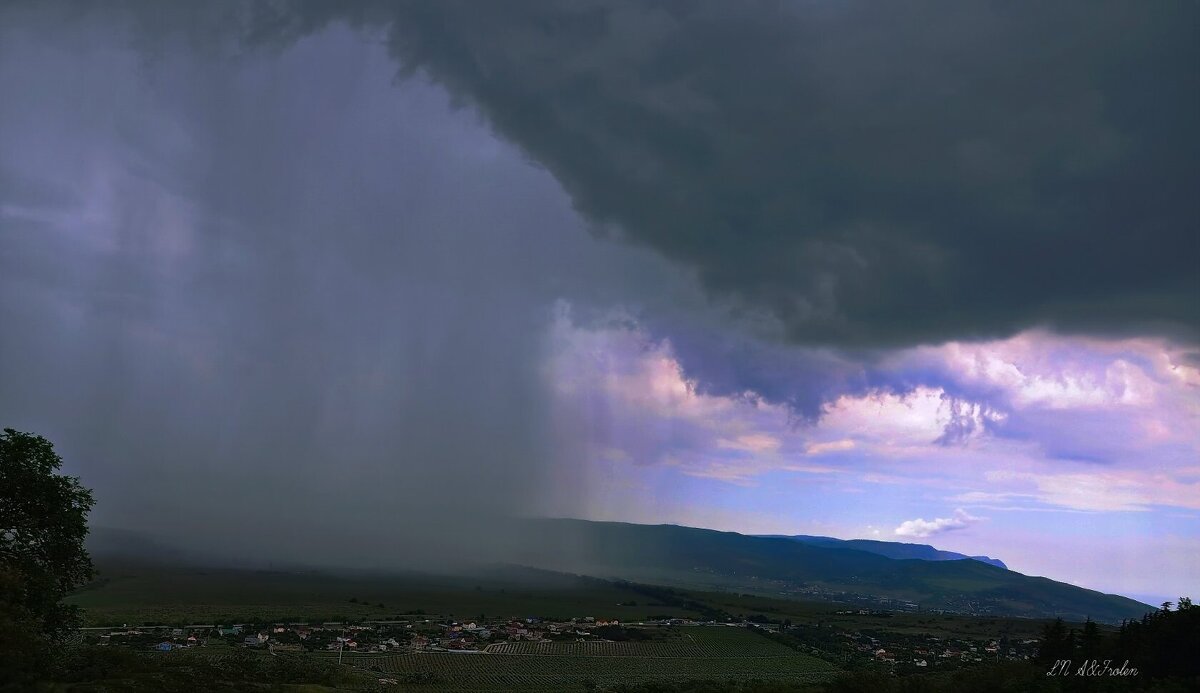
736	363
864	176
867	176
870	174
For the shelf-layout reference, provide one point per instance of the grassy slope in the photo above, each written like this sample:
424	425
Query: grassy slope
681	556
667	553
705	653
139	593
133	592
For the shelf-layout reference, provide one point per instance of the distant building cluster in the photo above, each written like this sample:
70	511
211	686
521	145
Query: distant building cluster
407	635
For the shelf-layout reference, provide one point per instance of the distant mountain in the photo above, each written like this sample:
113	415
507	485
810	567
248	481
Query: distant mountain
891	549
702	558
825	570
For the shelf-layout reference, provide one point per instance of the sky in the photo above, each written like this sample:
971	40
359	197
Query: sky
311	278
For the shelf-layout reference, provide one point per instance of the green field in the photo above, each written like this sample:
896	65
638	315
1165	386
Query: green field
138	593
940	625
717	653
147	593
695	642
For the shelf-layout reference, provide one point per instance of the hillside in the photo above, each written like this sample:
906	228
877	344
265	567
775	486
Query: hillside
726	561
711	559
890	549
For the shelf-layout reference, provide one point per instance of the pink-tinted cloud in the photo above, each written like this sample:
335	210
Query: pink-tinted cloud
1036	421
1126	490
842	445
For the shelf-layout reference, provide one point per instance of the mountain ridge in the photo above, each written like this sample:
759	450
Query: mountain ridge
687	556
890	549
714	560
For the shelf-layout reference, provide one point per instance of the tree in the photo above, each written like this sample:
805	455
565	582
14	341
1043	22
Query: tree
1056	643
1090	640
1164	644
43	523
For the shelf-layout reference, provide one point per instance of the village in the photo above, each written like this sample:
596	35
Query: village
874	648
926	650
416	634
879	647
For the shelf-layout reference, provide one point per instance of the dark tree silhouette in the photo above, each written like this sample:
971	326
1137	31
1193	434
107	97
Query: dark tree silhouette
43	523
1090	641
1164	643
1056	643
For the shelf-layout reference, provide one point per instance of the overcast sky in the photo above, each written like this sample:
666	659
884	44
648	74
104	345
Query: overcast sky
926	272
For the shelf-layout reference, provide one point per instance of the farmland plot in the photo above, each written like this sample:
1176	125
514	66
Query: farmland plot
731	654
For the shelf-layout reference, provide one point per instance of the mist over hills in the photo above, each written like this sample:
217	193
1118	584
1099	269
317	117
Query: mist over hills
891	549
825	570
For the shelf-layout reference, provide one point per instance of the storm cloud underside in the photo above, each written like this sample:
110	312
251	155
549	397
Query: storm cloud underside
869	176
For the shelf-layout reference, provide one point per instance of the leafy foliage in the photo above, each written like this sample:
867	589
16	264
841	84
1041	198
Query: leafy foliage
43	523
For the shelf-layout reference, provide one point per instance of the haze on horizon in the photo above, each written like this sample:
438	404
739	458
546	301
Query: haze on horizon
338	281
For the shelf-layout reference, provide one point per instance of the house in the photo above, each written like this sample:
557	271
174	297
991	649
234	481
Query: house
286	647
251	641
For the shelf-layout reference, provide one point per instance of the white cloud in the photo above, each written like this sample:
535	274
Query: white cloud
927	528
